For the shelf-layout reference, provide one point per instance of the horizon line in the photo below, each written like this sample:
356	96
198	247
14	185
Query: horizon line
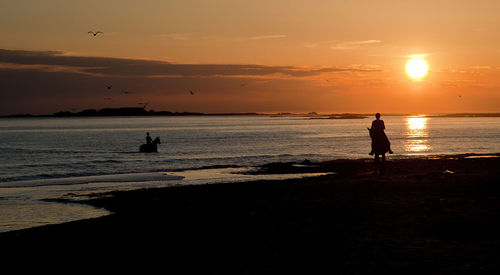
151	112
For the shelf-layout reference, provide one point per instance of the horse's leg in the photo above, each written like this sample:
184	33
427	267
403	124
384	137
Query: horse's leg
376	159
383	157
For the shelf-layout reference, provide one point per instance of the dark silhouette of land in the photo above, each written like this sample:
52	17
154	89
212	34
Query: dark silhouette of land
416	218
138	111
337	116
124	111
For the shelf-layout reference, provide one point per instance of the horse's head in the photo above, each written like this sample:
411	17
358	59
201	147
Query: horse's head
157	140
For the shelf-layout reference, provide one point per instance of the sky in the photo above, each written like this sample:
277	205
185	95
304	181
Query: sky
249	56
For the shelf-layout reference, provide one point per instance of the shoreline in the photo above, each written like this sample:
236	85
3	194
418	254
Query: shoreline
415	215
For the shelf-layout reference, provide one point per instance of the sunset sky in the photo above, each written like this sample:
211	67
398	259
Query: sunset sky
249	56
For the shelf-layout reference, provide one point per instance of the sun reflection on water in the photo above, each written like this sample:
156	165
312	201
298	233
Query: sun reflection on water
417	134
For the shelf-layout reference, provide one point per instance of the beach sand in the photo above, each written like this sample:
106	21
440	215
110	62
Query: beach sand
411	216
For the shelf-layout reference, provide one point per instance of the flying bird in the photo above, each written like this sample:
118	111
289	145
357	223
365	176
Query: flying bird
109	87
191	92
95	33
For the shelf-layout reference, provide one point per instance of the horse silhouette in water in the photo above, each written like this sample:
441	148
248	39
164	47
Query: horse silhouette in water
151	147
380	142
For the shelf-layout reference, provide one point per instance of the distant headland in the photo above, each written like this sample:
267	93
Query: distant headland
124	111
138	111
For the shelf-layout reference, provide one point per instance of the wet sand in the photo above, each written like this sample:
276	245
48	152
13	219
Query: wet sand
407	217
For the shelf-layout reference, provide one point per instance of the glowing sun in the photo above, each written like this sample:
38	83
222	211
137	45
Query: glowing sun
416	67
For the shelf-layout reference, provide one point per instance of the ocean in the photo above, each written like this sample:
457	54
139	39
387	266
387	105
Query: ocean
51	158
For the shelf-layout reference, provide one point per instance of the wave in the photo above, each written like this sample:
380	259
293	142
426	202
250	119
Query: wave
62	168
46	150
221	166
67	164
128	177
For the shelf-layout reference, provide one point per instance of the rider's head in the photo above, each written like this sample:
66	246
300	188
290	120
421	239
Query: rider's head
377	115
147	133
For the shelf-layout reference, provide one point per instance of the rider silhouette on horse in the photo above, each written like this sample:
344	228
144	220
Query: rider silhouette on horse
151	145
380	142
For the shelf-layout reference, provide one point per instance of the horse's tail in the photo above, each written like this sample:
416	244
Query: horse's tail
371	132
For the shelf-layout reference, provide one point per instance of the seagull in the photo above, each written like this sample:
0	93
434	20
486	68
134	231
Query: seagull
109	87
95	33
191	92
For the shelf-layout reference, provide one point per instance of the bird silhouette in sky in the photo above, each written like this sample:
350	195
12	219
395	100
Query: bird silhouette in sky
95	33
459	96
109	87
191	92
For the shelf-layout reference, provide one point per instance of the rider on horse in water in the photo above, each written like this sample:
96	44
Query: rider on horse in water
380	142
151	145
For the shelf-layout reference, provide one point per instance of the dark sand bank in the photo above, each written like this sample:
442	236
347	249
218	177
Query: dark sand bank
412	218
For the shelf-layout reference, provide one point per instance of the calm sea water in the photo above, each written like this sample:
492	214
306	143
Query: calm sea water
49	157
